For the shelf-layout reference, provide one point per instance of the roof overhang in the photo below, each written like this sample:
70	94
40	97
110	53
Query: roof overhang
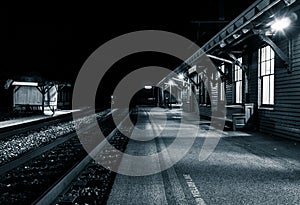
19	83
242	27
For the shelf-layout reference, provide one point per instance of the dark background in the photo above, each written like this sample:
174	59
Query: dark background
54	42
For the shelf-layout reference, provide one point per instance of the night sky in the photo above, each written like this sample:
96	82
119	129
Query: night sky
54	42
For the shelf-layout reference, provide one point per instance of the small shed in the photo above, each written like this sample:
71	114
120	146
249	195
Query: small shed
33	96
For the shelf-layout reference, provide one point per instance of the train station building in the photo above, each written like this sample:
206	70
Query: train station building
222	127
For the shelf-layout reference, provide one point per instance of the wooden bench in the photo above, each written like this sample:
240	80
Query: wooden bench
176	105
238	115
27	108
239	120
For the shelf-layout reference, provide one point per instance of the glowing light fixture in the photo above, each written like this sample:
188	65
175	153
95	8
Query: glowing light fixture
236	35
148	87
222	44
245	30
181	76
171	82
281	24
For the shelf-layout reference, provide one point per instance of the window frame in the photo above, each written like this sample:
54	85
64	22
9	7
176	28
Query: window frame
222	88
238	77
266	70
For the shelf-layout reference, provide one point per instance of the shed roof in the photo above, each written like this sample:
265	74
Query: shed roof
19	83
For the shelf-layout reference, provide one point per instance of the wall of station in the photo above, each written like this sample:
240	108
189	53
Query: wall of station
282	118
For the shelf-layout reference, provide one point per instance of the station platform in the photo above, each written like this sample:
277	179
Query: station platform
243	168
22	120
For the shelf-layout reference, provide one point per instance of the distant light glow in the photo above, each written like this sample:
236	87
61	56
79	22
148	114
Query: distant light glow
148	87
181	76
236	35
171	82
281	24
244	30
269	33
222	44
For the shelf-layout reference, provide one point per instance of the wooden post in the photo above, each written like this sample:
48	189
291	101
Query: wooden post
42	91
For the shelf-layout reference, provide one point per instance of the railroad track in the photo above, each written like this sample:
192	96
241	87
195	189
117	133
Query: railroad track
89	182
19	144
30	178
9	131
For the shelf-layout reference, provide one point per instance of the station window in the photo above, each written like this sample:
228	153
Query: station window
238	82
202	93
222	84
205	85
266	59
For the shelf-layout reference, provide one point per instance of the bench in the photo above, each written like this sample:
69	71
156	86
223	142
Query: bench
238	115
176	105
27	108
240	120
